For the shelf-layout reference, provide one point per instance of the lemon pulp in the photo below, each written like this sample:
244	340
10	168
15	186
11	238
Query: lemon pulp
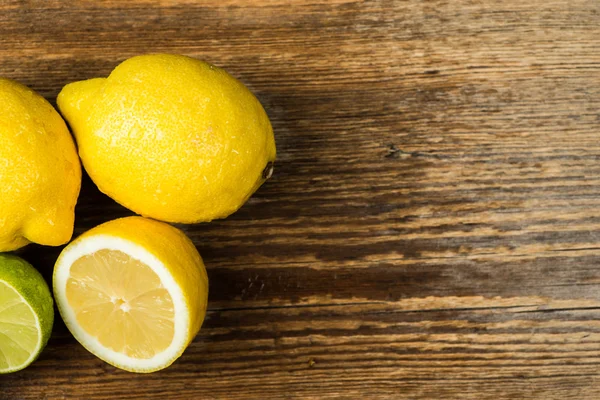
19	332
121	302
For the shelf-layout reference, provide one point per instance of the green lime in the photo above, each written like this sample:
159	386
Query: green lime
26	313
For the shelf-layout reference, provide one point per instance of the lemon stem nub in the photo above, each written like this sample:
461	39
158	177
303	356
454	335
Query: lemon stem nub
268	171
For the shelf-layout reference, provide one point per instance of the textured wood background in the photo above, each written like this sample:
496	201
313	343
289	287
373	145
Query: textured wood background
432	230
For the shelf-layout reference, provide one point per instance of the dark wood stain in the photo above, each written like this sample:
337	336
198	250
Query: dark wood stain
432	226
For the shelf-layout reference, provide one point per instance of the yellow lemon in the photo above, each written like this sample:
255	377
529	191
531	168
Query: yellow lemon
40	174
132	291
171	137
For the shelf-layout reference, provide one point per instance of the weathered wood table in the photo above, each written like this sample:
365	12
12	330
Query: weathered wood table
432	229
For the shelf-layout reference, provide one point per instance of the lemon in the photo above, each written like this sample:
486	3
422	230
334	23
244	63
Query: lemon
132	291
171	137
40	174
26	313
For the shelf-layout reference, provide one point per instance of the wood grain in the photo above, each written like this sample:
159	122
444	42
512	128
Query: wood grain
432	229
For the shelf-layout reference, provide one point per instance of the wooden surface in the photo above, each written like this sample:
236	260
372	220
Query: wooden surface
432	229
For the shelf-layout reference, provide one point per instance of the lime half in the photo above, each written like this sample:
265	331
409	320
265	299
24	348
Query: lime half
26	313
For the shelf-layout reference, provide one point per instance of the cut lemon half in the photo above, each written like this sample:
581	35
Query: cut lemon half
26	313
132	291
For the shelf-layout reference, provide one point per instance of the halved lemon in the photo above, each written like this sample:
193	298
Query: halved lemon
132	291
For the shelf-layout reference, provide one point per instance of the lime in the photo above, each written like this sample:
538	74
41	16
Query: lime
26	313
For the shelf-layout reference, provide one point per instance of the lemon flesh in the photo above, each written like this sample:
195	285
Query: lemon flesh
171	137
122	302
26	314
132	291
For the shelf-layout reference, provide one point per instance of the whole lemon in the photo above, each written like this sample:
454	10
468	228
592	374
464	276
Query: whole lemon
40	174
171	137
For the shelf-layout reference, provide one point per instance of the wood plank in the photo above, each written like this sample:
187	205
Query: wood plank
432	227
418	349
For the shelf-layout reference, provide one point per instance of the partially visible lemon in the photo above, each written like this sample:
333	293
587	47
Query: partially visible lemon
133	292
26	314
40	174
171	137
